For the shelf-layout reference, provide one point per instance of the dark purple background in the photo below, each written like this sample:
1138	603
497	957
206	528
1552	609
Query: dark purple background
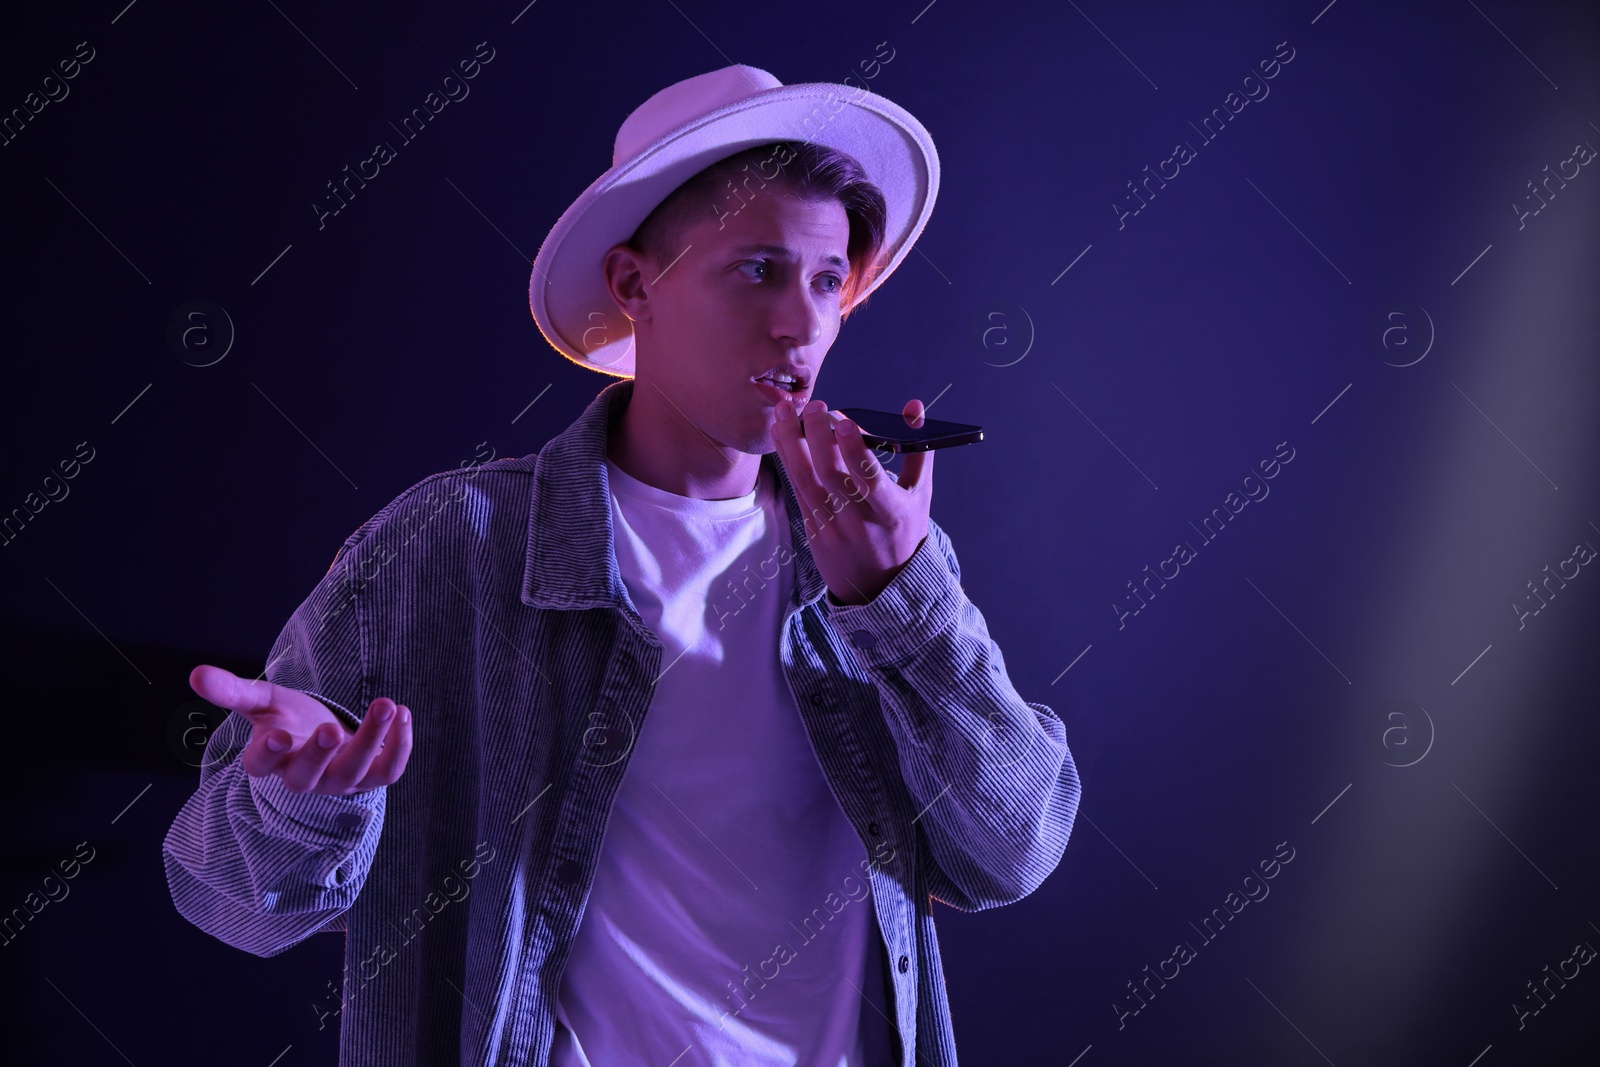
1358	618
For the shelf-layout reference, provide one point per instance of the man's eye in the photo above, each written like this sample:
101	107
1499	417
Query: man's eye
831	283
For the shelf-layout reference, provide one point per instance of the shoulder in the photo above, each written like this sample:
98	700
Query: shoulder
450	505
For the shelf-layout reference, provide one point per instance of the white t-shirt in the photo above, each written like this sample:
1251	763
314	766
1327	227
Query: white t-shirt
730	921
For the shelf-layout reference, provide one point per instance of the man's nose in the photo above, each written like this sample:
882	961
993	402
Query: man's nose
795	317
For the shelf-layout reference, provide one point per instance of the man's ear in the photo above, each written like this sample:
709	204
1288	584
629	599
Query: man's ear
625	273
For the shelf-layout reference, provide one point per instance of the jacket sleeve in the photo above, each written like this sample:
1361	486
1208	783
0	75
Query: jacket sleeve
247	860
990	773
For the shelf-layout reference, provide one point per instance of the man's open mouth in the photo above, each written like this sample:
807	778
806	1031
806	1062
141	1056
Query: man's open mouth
785	382
788	378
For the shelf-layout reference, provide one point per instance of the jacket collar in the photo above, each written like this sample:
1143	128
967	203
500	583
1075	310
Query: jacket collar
571	556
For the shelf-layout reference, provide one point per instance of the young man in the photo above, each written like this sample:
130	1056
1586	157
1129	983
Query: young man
703	715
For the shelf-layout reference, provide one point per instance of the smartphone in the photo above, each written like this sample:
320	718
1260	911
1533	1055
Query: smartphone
888	429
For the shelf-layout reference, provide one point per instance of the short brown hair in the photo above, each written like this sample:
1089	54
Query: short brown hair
806	169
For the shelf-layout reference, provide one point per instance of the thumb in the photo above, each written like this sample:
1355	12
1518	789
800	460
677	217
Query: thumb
214	684
227	690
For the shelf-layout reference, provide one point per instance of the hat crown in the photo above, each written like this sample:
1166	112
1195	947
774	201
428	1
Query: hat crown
686	100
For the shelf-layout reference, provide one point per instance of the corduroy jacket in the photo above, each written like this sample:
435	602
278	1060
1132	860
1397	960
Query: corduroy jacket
489	601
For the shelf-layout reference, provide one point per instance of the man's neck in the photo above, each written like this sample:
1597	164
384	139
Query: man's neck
653	442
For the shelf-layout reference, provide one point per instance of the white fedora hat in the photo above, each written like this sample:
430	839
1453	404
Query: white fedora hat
680	131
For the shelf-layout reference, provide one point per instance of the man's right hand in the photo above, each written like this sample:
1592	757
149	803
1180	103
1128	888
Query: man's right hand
297	738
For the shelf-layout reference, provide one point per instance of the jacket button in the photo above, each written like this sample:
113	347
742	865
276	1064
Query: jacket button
606	737
863	639
816	698
872	828
905	964
568	872
347	820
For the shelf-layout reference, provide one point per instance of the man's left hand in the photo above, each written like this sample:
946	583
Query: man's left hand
862	526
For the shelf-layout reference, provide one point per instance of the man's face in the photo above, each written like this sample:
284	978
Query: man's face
739	298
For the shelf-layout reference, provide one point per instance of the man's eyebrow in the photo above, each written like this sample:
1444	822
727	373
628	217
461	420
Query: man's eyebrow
779	250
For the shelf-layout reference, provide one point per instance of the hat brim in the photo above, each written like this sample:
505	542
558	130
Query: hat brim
567	290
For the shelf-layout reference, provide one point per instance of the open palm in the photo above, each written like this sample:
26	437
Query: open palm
296	737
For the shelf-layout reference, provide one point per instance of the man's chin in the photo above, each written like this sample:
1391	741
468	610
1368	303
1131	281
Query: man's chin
757	443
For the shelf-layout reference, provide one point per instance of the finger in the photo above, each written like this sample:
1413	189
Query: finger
304	768
259	759
917	470
862	468
823	445
359	751
794	451
788	431
391	761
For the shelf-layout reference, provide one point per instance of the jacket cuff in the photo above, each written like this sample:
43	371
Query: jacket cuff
315	820
921	599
